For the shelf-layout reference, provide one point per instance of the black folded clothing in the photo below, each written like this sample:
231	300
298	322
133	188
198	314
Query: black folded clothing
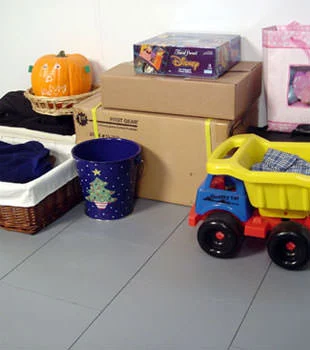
294	136
23	162
16	111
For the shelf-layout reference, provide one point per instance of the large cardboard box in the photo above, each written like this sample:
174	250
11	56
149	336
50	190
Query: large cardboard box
174	147
227	97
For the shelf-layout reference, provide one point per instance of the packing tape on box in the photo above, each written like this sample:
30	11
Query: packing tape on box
208	137
94	116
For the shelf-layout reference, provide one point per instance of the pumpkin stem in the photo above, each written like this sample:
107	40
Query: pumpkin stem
61	54
87	69
30	68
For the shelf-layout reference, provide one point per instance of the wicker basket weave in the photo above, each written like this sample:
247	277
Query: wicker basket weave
56	106
33	219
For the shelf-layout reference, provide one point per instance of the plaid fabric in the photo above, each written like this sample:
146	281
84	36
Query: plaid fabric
279	161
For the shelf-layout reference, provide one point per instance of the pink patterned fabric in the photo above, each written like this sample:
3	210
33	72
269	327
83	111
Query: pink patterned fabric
291	35
286	75
301	85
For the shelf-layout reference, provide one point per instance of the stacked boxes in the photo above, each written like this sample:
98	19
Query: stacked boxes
177	120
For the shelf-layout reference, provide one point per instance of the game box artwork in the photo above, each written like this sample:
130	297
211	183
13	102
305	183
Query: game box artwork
206	55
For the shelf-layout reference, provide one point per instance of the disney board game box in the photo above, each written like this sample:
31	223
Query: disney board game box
206	55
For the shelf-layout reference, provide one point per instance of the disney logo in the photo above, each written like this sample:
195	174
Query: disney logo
183	62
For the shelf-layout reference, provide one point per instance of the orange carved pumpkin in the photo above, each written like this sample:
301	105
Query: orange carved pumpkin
61	75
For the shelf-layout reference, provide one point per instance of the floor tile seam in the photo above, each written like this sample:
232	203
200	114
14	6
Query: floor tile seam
117	294
230	347
32	291
2	279
35	251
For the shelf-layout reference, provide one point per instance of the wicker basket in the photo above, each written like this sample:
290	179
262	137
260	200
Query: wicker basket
56	106
33	219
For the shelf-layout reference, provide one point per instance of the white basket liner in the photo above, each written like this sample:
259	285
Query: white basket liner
33	192
28	134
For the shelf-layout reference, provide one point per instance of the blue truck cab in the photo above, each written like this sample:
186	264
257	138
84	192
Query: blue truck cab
223	193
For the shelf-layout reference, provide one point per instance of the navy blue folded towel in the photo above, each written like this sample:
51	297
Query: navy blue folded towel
23	162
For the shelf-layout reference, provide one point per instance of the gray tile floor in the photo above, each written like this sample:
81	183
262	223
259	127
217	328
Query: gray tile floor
142	283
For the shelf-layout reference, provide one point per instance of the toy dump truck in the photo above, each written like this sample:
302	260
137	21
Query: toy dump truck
235	201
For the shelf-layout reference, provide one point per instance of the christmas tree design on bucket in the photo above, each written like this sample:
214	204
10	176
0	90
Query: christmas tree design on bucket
99	194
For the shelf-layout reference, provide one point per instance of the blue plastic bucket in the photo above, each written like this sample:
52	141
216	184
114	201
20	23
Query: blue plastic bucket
107	169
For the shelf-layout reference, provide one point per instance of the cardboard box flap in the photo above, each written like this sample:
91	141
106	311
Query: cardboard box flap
90	102
233	76
244	66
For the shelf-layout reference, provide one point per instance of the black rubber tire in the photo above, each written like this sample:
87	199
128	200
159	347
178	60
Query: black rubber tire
227	226
284	234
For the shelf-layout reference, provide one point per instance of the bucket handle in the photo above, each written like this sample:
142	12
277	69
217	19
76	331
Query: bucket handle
140	166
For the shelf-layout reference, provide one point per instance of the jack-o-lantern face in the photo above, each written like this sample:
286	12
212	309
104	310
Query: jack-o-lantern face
61	75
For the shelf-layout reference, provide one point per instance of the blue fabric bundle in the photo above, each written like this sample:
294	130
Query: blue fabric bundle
23	162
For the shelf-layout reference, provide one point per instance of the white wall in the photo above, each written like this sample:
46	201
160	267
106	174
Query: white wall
105	30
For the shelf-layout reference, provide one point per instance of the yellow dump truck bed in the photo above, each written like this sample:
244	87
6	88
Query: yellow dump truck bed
279	194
